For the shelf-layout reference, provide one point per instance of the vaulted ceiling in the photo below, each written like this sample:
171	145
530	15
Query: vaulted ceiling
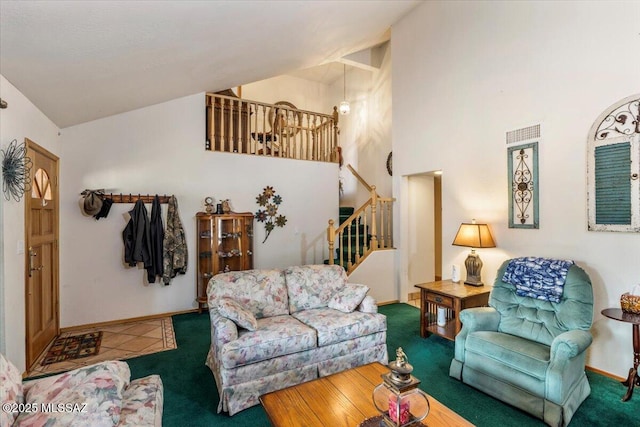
82	60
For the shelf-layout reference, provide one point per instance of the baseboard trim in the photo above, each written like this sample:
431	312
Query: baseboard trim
605	373
395	301
129	320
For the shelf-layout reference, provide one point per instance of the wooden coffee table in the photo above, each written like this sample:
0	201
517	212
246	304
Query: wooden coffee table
341	400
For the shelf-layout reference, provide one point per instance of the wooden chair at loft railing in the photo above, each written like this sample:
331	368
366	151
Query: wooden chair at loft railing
268	138
284	123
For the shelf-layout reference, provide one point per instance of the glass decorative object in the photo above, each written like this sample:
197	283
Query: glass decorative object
398	398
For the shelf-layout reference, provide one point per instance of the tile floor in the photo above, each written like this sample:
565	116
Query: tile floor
119	341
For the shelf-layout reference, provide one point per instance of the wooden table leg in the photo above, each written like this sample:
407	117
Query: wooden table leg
457	308
423	312
633	379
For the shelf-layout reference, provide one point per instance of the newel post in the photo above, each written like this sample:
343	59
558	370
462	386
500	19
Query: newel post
331	236
374	228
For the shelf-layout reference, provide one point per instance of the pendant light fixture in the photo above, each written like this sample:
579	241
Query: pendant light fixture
344	105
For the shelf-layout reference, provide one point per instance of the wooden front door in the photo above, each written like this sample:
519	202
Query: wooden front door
41	261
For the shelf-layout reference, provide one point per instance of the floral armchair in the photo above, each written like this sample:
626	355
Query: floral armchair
97	395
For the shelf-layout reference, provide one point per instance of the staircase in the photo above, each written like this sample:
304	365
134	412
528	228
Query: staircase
361	231
354	240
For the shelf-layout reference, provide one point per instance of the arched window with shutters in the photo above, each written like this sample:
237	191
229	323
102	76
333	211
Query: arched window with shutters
613	169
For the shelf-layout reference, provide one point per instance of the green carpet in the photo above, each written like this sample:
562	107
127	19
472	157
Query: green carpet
191	398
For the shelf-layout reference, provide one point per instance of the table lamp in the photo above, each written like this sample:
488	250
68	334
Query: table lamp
474	236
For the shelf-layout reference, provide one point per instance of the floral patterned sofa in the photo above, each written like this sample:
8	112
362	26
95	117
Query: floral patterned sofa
271	329
97	395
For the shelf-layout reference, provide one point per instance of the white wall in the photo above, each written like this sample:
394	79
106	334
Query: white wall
467	72
365	134
304	94
378	273
19	121
160	149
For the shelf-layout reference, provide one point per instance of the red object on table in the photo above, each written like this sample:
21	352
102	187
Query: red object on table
399	411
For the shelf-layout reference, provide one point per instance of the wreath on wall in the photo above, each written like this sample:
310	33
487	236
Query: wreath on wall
16	167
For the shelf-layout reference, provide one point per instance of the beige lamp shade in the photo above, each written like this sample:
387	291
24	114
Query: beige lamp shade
474	236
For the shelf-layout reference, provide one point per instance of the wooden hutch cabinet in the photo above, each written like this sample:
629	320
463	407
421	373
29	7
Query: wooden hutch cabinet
225	243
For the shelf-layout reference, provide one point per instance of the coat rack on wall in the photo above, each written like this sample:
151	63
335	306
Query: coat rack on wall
132	198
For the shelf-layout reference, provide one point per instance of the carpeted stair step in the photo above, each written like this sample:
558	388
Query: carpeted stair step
344	213
360	227
361	230
360	238
346	255
345	251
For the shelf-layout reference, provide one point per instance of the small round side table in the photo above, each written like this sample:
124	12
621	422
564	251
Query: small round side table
633	379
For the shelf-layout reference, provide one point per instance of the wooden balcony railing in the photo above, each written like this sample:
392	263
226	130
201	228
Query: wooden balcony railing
368	229
237	125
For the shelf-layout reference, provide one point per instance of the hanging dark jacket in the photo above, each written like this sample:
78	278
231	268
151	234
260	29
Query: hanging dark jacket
156	231
137	243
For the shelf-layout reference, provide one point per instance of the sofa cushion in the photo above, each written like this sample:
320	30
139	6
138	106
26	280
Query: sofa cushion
10	390
142	403
529	357
368	305
333	326
348	298
263	292
94	394
275	336
232	310
312	286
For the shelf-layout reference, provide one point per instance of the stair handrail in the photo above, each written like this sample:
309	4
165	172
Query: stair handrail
353	216
360	178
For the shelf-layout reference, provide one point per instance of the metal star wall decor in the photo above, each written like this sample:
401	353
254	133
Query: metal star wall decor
270	202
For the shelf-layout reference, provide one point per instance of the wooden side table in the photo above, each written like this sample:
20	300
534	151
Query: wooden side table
453	298
633	379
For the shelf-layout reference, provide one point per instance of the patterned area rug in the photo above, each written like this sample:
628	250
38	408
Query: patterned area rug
120	341
73	347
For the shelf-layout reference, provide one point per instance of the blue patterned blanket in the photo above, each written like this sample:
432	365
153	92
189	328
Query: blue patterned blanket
539	278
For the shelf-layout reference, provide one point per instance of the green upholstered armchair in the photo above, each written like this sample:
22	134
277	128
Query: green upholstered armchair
527	352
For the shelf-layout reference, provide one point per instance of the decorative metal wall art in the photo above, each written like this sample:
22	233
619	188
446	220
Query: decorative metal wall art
16	167
270	202
623	121
522	162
